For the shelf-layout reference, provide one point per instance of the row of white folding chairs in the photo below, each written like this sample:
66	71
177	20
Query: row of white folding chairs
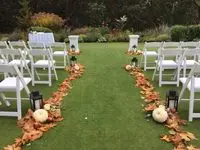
32	61
14	83
184	59
151	50
58	49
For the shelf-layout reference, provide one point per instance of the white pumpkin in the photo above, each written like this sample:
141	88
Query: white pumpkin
160	115
128	67
47	107
40	115
162	106
76	67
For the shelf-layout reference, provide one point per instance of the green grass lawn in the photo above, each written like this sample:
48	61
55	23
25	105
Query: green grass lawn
107	96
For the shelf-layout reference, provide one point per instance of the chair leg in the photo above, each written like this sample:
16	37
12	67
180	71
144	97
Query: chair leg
65	64
4	99
33	76
154	73
160	77
19	110
141	60
145	62
49	75
68	61
178	76
191	104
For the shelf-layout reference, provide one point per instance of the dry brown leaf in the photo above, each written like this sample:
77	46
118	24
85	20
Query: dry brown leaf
180	146
191	147
165	138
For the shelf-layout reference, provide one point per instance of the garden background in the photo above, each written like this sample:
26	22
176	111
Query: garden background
102	21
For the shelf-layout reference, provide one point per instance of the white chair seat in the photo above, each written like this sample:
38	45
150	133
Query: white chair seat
167	63
60	53
150	53
9	84
42	63
189	63
2	61
19	62
196	85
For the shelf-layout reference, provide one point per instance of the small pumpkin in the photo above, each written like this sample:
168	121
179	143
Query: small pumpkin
40	115
76	67
128	67
160	115
47	107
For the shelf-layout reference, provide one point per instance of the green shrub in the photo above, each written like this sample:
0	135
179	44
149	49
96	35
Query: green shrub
49	20
66	40
17	35
193	32
118	36
162	37
79	31
91	37
59	37
104	30
179	33
39	29
81	38
102	39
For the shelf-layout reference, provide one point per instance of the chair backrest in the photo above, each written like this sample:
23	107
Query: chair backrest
13	69
36	45
171	45
3	44
189	44
8	51
58	45
40	52
191	52
152	44
17	44
171	52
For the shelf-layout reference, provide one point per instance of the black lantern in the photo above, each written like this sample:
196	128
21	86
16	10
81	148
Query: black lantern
134	62
172	100
134	47
36	100
73	48
73	60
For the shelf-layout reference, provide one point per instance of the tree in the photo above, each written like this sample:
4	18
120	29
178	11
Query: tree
24	14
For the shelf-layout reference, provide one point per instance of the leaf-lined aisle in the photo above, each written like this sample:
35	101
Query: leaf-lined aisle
177	136
32	129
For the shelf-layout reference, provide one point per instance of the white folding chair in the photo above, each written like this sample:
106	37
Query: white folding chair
168	64
150	50
3	44
41	63
189	44
171	45
189	59
19	45
21	62
13	84
192	83
59	49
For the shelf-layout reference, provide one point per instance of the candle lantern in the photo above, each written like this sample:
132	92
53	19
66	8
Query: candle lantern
73	60
134	62
172	100
134	47
36	100
73	48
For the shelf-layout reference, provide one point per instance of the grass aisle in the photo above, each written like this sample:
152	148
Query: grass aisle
106	95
